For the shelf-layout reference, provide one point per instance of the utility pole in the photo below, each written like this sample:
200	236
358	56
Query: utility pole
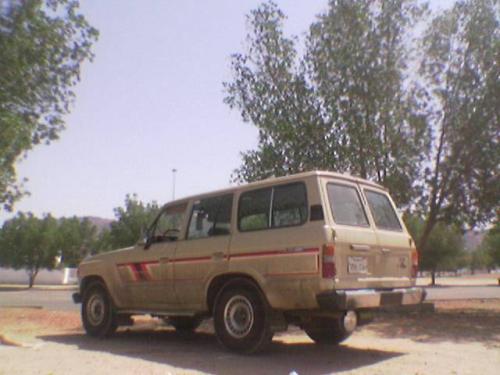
173	183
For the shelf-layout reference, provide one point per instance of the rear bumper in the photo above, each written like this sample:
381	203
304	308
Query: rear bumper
370	298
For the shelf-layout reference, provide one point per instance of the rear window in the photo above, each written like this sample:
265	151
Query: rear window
253	213
346	205
274	207
382	211
289	205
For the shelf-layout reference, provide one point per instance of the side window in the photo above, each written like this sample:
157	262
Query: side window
253	212
289	205
383	213
210	217
346	205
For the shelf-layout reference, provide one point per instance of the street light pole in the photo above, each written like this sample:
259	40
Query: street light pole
173	183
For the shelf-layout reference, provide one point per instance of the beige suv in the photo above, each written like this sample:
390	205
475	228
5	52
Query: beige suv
320	250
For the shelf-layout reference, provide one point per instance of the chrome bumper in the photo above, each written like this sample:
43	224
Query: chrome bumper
370	298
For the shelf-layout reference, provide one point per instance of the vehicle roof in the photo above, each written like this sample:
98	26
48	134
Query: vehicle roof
282	179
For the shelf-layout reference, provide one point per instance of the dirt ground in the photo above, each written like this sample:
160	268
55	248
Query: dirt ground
460	337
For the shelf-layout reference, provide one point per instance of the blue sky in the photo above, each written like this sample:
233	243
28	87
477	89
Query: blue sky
152	100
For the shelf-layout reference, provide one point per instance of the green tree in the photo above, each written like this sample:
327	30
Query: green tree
29	243
76	238
42	44
342	105
491	245
479	259
131	223
357	53
444	250
462	70
271	90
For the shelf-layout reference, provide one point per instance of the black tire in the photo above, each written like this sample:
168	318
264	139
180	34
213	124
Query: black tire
97	311
184	324
240	320
327	331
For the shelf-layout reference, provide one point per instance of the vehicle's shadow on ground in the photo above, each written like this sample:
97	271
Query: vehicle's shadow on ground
200	351
458	326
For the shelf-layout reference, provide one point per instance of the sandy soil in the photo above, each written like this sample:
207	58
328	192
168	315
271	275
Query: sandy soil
461	337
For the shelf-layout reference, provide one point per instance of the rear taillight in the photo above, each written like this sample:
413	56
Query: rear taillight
328	262
414	263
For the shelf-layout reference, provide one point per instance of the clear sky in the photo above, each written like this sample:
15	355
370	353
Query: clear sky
151	101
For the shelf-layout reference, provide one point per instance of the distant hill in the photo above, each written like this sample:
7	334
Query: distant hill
100	222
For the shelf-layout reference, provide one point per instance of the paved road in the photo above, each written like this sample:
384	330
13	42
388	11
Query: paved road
38	298
61	299
462	292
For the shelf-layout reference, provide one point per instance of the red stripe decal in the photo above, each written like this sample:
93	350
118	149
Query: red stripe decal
135	272
131	263
274	252
145	272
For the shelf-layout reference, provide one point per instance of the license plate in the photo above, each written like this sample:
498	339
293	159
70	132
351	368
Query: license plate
357	265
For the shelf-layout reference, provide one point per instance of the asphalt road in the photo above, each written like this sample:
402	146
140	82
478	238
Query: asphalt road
61	299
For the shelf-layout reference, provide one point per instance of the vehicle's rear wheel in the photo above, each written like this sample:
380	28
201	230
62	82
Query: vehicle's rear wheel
328	331
97	311
184	323
240	320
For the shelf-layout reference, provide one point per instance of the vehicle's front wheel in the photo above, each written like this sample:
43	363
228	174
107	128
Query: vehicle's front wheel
328	331
97	312
240	320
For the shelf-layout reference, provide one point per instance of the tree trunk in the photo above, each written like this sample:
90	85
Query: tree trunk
31	280
429	226
32	275
433	277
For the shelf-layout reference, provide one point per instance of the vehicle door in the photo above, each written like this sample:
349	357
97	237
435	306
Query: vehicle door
148	271
275	240
395	244
356	246
204	251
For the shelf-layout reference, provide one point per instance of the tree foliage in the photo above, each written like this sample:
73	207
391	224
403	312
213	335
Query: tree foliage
360	99
358	54
491	245
77	238
444	250
461	66
29	243
342	105
42	44
131	224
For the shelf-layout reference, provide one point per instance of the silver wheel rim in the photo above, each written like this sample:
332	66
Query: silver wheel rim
95	309
238	316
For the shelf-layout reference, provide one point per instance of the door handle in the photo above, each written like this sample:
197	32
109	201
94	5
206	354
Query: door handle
359	247
164	259
219	255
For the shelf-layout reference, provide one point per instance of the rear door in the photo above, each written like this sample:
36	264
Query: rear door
356	245
394	242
